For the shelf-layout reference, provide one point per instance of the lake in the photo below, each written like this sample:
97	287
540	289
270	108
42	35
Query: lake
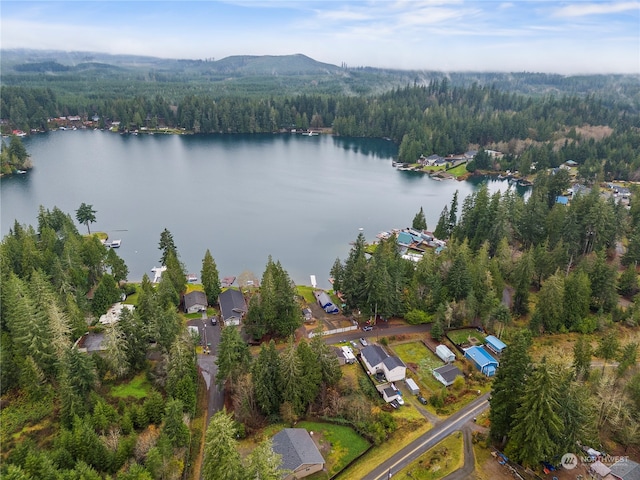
299	199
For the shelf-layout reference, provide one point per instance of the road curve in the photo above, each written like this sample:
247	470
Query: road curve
419	446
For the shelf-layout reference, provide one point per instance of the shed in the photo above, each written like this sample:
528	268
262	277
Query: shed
495	344
324	300
626	469
482	360
446	355
447	374
599	470
412	386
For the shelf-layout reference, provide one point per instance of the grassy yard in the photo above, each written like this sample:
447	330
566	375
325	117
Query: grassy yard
398	440
338	444
463	336
438	462
306	292
138	387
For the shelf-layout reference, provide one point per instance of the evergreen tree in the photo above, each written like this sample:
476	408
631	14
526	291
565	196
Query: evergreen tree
233	356
210	278
166	246
119	269
221	459
337	274
515	365
116	353
174	426
106	294
311	374
582	353
577	297
437	330
85	214
263	463
419	221
175	273
266	380
291	371
537	426
442	227
326	359
608	347
354	278
628	282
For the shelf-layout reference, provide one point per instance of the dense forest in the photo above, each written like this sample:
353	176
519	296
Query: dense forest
528	267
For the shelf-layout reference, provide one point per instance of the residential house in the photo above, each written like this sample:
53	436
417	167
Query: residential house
431	160
113	314
300	455
446	374
571	163
482	360
470	155
495	344
626	469
446	355
232	306
194	302
376	359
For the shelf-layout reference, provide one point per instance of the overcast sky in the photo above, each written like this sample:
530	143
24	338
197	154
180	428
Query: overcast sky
535	36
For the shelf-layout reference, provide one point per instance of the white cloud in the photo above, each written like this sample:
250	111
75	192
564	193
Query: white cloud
582	9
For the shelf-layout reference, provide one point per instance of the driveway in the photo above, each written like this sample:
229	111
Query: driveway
419	446
210	336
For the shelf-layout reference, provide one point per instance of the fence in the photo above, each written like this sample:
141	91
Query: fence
334	331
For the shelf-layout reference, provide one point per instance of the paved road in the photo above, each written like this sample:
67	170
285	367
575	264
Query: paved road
416	448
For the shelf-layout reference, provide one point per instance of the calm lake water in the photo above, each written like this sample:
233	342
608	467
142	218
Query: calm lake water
243	197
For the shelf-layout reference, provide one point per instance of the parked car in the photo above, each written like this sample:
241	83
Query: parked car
354	344
367	328
422	400
400	400
363	342
214	320
394	404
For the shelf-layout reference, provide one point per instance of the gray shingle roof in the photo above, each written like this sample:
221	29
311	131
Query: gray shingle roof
626	469
393	362
232	303
297	448
448	372
195	298
374	354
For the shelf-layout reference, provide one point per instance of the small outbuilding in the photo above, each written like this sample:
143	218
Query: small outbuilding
324	300
482	360
194	302
446	355
495	344
412	386
447	374
626	469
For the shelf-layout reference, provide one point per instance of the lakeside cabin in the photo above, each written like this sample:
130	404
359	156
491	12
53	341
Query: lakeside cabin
495	344
482	360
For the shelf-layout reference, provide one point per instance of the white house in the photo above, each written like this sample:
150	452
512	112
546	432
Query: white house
376	359
113	314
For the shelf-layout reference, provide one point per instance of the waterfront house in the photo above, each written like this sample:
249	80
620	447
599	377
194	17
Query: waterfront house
195	301
232	306
300	455
324	300
376	360
482	360
447	374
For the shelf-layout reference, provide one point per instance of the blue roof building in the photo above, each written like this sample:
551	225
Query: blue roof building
562	200
404	239
495	344
482	360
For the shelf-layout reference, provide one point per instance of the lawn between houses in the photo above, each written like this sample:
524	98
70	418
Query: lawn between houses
423	360
439	461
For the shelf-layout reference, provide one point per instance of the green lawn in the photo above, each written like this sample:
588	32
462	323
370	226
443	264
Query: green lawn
339	445
458	170
438	462
306	292
138	387
462	336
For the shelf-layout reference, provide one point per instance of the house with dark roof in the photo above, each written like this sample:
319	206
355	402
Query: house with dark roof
376	359
232	306
447	374
626	470
195	302
300	455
